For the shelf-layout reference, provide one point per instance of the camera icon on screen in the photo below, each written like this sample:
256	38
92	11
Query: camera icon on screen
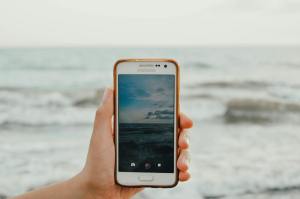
132	164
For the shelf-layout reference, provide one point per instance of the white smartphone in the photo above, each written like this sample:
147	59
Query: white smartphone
146	122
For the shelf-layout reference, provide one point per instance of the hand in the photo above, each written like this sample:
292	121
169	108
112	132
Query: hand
98	173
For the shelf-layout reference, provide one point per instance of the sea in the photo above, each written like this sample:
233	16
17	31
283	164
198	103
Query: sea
244	101
146	144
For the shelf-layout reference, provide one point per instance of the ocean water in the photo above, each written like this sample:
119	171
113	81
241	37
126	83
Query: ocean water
245	103
144	143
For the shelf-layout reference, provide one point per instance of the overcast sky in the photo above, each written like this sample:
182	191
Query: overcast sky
146	98
151	22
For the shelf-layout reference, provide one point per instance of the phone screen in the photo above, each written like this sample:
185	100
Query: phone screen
146	104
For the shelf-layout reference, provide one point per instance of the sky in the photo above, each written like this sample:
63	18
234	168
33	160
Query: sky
149	23
146	98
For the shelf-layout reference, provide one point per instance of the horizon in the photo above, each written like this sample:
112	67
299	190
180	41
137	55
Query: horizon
157	46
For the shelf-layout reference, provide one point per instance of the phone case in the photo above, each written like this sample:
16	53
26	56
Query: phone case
177	113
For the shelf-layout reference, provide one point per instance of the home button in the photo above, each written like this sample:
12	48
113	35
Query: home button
145	178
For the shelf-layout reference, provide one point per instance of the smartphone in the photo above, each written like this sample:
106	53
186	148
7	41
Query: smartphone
146	122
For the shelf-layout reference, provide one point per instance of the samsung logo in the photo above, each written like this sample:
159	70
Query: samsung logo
146	70
146	65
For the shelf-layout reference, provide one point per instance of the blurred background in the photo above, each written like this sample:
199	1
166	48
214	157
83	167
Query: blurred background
240	82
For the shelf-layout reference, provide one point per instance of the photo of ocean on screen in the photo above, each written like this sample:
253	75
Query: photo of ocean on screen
244	101
146	122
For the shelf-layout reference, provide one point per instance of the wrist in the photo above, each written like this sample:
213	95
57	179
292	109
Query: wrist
80	187
86	189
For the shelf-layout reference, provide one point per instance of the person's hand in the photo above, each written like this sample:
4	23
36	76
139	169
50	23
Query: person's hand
97	177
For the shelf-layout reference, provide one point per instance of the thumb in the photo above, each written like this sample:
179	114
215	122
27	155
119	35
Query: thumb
102	138
104	113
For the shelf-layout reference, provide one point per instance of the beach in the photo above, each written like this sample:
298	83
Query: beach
245	103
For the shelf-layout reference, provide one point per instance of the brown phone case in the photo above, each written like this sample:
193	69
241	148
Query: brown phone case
177	112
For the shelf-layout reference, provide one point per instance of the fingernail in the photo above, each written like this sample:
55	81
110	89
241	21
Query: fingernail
187	138
105	96
188	159
188	142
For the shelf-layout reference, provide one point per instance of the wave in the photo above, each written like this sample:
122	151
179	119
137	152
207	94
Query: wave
37	108
283	189
287	64
8	124
91	100
200	96
45	98
264	193
260	111
14	89
12	99
45	68
233	84
198	64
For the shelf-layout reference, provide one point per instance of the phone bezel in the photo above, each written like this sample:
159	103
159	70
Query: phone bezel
131	66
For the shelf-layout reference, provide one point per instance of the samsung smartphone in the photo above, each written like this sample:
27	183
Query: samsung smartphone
146	122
